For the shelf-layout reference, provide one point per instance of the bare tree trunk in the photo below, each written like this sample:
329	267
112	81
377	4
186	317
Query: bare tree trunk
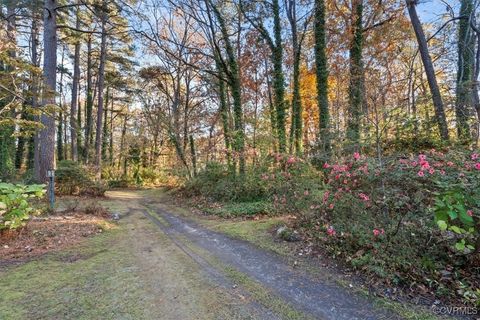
110	147
33	155
60	136
101	81
89	102
297	109
193	155
122	141
74	104
356	92
429	70
46	146
322	76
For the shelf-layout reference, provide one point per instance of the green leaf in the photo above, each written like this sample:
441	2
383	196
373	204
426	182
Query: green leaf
460	246
442	225
457	230
441	215
452	214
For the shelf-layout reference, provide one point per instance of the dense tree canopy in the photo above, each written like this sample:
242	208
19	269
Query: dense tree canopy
197	81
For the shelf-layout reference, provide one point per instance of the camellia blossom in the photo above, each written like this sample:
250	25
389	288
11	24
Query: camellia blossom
422	157
364	197
450	164
431	171
377	232
477	166
470	213
425	165
291	160
421	173
306	193
331	231
356	155
326	165
325	196
475	156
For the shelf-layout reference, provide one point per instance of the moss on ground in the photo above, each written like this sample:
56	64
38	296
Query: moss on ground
91	281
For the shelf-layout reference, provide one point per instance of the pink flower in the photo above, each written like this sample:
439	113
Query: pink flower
291	160
414	163
331	206
477	166
422	157
431	171
325	196
420	173
475	156
364	197
450	164
306	193
442	172
331	231
326	165
425	164
356	155
470	213
377	232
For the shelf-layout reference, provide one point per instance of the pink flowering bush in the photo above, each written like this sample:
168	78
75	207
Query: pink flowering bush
415	214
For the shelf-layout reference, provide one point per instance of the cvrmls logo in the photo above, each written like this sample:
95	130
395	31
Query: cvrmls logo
451	310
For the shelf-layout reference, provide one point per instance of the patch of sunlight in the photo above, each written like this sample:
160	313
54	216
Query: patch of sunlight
123	194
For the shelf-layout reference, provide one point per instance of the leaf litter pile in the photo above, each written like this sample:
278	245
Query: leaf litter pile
50	233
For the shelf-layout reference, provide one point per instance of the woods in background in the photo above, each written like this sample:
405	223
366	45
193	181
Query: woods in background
123	84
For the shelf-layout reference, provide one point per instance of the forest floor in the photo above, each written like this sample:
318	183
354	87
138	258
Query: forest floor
162	261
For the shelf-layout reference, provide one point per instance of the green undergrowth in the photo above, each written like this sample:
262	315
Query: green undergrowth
240	209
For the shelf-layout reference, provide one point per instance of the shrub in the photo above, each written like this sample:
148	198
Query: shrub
74	179
286	182
15	203
242	209
404	219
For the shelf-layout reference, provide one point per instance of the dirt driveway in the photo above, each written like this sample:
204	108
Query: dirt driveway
160	265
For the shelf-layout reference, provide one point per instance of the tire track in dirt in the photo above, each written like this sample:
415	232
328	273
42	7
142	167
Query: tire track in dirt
258	311
320	298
